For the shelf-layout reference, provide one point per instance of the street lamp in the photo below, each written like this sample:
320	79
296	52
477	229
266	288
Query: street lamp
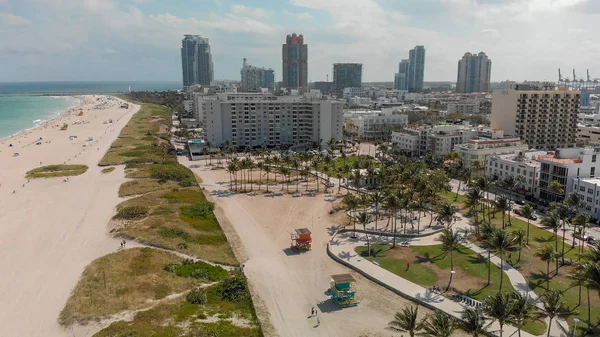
576	320
452	272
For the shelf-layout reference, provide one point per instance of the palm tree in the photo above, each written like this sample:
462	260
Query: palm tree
473	321
520	238
232	170
364	219
552	221
477	165
446	213
376	198
553	307
285	171
450	242
501	242
352	203
267	170
499	307
581	220
547	254
522	311
503	205
392	203
406	321
587	274
439	325
527	213
474	197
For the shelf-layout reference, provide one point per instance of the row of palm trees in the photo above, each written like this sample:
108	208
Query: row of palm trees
505	308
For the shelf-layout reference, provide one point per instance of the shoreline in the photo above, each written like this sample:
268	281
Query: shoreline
45	122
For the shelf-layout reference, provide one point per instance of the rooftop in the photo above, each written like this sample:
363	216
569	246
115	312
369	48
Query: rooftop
340	278
594	181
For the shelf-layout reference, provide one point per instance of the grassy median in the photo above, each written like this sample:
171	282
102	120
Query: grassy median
53	171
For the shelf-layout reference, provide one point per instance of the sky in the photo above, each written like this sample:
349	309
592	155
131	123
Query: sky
140	40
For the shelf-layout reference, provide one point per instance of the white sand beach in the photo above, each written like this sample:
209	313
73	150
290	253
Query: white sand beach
51	229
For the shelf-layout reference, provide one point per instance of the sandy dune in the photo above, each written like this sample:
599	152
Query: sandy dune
50	229
288	283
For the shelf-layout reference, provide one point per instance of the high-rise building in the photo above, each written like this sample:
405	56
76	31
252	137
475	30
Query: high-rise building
544	118
255	78
401	78
346	75
416	69
295	63
474	73
250	120
196	60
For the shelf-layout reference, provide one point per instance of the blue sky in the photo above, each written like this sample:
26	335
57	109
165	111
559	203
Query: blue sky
129	40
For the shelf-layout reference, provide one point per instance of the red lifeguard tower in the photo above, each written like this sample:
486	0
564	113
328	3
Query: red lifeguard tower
301	240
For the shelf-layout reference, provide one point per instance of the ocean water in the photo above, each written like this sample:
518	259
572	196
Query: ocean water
85	87
22	112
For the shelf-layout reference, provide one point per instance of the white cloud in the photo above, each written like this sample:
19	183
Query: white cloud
11	19
250	11
303	16
490	32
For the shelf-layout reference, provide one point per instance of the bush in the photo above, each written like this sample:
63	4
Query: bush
233	289
131	212
173	172
174	233
198	270
200	210
197	296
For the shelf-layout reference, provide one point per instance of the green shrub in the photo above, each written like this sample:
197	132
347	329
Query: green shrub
167	232
200	210
173	172
234	288
108	169
198	270
197	296
212	240
131	212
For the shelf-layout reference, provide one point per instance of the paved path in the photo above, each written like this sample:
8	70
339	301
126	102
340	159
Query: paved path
342	246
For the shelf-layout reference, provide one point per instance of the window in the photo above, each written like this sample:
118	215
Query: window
590	191
593	158
582	189
593	171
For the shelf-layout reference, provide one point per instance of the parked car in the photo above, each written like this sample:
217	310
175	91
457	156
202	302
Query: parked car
520	202
590	239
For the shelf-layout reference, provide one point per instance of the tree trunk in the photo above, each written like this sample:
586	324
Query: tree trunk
394	229
527	231
549	326
368	241
548	275
563	243
489	266
501	270
457	190
376	214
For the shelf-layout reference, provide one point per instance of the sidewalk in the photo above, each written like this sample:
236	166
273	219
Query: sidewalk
341	248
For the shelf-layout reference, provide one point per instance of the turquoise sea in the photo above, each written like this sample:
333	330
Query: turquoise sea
25	105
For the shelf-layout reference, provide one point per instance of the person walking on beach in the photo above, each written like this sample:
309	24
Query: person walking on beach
124	243
312	312
318	321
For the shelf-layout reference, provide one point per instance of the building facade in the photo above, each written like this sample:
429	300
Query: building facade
196	61
346	75
255	78
544	119
253	120
588	190
438	140
375	126
354	92
463	108
522	166
323	86
295	63
474	73
588	135
416	72
401	78
480	148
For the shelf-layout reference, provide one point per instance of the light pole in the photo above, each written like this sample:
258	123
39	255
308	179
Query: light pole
576	320
452	272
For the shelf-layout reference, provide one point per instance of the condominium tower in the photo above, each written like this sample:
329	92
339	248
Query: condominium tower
250	120
401	78
295	62
544	118
416	69
196	60
255	78
474	73
346	75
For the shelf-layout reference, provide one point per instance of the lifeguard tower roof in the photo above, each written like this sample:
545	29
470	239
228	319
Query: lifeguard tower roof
302	231
340	278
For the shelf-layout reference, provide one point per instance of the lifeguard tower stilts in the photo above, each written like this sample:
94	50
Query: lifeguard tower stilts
343	289
301	240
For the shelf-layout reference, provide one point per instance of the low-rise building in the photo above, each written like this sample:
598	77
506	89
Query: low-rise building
522	166
588	190
439	140
354	92
478	149
359	101
463	108
588	135
374	125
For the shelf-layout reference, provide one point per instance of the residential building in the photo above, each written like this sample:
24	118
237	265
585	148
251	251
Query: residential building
477	149
545	119
354	92
346	75
324	87
439	140
252	120
373	125
587	115
401	78
359	101
588	190
295	63
196	60
255	78
474	73
522	166
463	108
588	135
562	166
416	69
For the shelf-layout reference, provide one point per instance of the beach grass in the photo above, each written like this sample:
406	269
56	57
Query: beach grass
108	169
126	280
52	171
143	186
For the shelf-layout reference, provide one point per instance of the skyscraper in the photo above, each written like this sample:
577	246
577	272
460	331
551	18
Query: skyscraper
474	73
401	78
295	62
254	78
196	60
416	69
346	75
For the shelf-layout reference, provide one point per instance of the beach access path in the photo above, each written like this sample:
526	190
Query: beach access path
51	229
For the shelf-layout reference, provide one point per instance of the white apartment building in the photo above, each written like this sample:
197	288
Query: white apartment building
188	106
588	190
479	148
254	120
463	108
439	140
354	92
563	166
544	119
522	166
359	101
375	125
